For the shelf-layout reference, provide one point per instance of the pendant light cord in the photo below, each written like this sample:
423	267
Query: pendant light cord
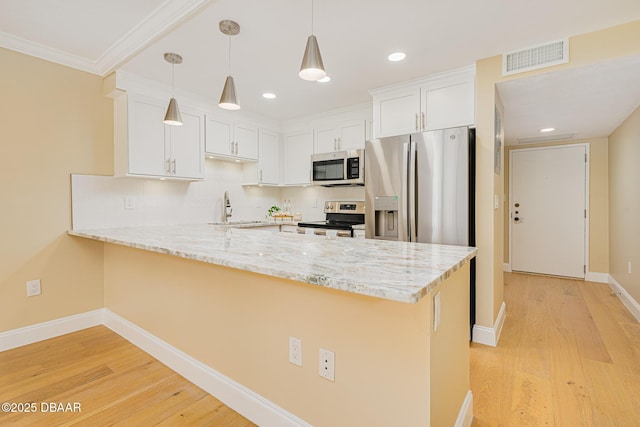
229	55
311	17
173	85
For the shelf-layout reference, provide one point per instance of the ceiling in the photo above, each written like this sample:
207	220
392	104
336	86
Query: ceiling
588	102
355	36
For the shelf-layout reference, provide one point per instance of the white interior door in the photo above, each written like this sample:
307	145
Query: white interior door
548	210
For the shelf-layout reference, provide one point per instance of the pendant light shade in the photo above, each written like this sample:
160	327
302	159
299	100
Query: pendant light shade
228	100
173	117
312	68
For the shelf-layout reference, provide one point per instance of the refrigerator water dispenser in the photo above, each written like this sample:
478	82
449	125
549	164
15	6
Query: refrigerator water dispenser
386	217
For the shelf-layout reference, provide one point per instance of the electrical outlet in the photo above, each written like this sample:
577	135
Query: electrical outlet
327	364
129	202
295	351
33	288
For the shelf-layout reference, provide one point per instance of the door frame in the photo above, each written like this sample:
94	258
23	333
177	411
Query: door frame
587	222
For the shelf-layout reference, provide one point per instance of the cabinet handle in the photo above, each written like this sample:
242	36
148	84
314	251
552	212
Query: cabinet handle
168	166
416	121
424	124
174	166
339	143
260	175
236	152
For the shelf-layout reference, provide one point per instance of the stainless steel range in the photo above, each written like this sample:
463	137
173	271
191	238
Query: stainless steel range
343	219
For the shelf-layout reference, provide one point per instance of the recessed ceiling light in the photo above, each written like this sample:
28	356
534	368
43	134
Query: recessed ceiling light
397	56
269	95
547	130
325	79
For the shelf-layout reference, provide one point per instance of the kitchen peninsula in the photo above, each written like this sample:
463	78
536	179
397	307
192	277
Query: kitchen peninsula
231	298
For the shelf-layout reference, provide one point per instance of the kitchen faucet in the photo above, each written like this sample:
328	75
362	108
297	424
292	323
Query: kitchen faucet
226	207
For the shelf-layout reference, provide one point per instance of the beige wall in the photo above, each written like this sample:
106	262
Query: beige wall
598	201
584	49
624	204
238	323
54	122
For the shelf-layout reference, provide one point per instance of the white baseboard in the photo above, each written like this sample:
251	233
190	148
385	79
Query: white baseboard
507	267
490	336
54	328
465	416
592	276
239	398
628	301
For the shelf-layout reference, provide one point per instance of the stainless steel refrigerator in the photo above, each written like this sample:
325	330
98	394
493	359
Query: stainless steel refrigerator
421	188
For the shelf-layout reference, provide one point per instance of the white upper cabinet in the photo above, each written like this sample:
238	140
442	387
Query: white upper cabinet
342	136
233	140
246	139
298	148
267	170
439	102
268	157
146	147
396	113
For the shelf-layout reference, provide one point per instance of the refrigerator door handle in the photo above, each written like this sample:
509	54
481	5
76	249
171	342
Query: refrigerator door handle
404	206
413	229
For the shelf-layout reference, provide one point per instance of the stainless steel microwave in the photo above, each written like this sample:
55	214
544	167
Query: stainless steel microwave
338	168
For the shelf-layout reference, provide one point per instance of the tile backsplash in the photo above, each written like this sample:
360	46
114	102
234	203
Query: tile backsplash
105	201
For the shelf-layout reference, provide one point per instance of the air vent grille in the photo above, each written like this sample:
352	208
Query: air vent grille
546	138
536	57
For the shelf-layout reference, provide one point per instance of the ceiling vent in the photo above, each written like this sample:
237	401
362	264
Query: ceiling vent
542	56
546	138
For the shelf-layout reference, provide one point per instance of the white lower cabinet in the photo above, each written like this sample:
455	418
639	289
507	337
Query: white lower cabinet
146	147
286	228
298	148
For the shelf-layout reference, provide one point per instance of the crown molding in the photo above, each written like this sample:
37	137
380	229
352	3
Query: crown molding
162	20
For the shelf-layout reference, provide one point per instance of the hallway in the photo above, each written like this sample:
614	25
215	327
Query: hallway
569	355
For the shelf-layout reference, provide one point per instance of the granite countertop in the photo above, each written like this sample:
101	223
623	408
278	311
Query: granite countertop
397	271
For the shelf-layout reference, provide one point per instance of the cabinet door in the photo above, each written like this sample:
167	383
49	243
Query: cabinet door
268	157
447	106
187	146
146	137
352	135
326	140
219	136
297	158
397	113
245	137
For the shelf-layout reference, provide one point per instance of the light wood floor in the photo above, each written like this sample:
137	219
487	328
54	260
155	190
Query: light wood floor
115	382
569	355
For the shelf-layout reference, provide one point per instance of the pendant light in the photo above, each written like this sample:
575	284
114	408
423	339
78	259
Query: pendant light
228	99
173	117
312	68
